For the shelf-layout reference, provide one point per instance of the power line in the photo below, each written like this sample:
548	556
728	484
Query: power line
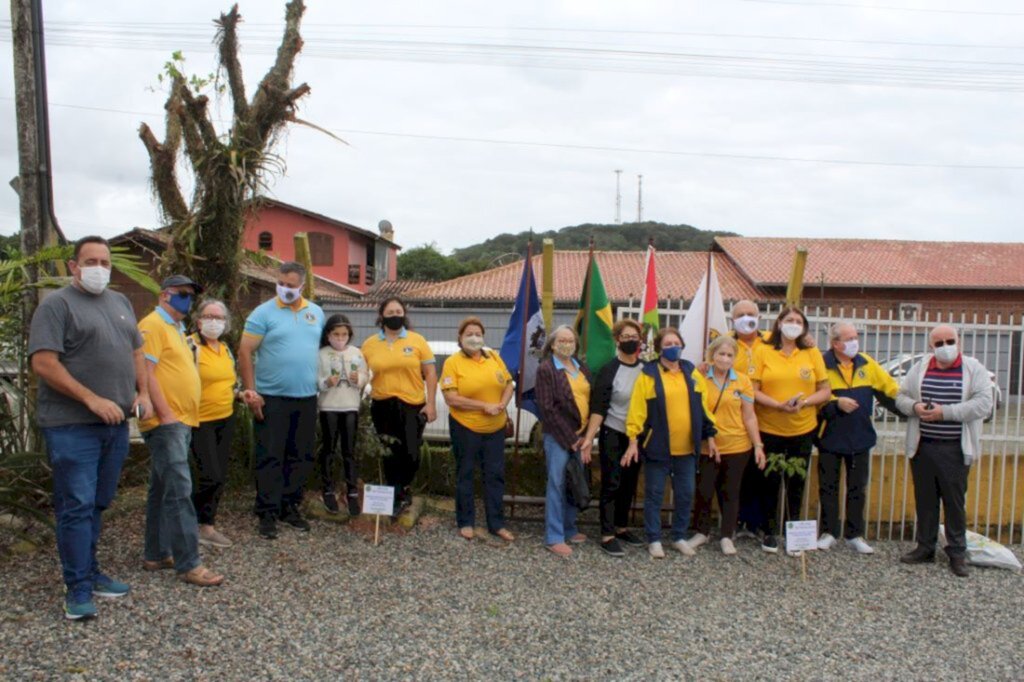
308	27
608	148
950	74
934	10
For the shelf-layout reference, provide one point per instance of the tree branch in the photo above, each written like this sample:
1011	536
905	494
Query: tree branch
227	39
270	102
163	159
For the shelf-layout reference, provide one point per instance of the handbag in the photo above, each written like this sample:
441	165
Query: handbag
577	483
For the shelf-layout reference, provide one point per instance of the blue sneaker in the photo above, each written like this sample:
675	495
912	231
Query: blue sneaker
104	586
78	606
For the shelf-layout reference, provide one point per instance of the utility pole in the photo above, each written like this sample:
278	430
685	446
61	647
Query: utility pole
34	182
639	198
618	198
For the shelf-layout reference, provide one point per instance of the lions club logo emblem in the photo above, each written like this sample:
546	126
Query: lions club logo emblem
805	373
310	318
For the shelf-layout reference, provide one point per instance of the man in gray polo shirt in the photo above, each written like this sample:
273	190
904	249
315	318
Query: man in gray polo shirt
85	347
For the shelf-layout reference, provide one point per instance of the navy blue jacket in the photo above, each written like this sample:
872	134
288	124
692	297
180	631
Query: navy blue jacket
844	433
654	438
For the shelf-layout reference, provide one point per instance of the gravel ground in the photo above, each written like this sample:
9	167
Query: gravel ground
427	604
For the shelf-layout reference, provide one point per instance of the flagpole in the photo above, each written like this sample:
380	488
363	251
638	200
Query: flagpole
587	292
643	296
707	304
524	342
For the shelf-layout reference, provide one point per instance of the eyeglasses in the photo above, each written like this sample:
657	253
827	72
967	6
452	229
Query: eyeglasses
947	342
629	338
212	317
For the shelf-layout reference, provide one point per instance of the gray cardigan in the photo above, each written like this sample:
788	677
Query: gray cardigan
976	405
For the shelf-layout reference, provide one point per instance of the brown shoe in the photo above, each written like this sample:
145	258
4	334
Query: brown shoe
201	576
578	539
919	555
162	565
958	565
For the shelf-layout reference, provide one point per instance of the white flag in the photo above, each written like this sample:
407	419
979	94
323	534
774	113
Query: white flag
708	298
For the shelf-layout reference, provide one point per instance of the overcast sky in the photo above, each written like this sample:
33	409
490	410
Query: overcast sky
717	104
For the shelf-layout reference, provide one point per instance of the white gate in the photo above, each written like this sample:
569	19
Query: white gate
995	498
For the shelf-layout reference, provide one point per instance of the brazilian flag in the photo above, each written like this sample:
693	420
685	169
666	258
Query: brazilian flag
594	320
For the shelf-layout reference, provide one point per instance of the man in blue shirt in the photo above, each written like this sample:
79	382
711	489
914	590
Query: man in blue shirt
277	361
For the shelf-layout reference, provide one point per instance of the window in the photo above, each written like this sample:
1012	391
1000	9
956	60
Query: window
353	273
321	248
266	241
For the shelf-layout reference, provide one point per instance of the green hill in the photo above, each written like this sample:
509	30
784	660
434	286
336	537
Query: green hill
628	237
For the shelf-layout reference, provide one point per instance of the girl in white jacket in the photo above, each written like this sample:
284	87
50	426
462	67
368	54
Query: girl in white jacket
342	374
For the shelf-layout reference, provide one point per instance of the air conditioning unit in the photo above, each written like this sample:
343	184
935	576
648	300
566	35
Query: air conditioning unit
910	311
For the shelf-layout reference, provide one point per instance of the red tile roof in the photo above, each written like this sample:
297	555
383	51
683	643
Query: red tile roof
767	261
679	274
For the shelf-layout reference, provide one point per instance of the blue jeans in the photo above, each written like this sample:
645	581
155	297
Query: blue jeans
86	460
559	512
683	471
469	447
171	526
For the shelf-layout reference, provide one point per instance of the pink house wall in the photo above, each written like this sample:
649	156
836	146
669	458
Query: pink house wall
349	248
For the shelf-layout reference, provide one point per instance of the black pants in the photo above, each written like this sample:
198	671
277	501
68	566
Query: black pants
791	446
721	480
618	483
211	447
402	423
284	452
470	447
750	515
858	469
940	474
338	429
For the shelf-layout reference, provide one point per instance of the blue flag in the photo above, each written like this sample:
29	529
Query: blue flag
528	305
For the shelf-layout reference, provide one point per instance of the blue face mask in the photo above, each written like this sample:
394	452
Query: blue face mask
672	353
181	302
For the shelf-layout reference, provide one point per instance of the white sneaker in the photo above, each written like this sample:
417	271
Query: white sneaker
655	550
745	532
683	547
697	540
859	546
728	548
826	541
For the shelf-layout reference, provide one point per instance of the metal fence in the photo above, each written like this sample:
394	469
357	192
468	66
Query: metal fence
995	500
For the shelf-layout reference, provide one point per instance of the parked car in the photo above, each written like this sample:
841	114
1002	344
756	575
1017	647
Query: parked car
529	427
898	367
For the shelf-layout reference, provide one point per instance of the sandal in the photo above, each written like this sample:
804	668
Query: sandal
561	549
201	576
467	532
505	535
161	565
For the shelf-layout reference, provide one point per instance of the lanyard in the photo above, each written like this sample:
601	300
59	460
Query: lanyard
721	392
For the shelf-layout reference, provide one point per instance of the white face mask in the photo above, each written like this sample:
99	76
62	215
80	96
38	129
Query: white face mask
745	324
947	353
336	343
851	348
792	330
473	342
212	329
287	294
94	278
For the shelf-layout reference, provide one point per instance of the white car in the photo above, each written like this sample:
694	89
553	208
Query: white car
438	429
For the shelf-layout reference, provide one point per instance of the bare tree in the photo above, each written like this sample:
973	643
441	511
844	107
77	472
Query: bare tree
229	170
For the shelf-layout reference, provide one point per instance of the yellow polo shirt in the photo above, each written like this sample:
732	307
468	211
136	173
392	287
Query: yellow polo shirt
677	407
218	378
745	355
397	366
782	377
732	437
164	344
482	378
581	394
